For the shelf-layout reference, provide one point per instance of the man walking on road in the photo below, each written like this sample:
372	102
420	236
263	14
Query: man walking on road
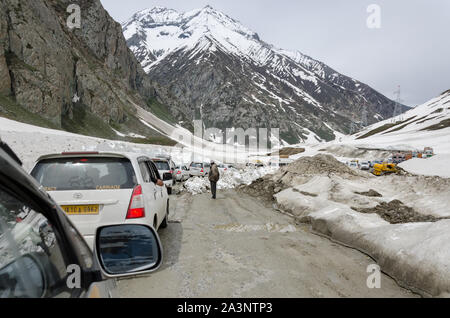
214	177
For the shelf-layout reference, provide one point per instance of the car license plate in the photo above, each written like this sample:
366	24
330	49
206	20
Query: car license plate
81	209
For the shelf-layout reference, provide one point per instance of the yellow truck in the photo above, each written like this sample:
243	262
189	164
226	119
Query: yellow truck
384	168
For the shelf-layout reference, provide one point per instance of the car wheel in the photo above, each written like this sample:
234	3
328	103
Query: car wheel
165	222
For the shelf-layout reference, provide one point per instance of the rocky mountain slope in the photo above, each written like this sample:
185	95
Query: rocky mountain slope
224	73
81	80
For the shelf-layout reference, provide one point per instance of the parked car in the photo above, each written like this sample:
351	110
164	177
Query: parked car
198	169
47	249
223	168
365	165
181	173
378	161
354	164
428	152
207	167
96	189
165	167
398	158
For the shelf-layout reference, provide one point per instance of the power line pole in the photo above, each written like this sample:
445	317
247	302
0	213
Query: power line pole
398	112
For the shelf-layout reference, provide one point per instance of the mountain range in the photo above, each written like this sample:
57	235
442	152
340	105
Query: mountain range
213	68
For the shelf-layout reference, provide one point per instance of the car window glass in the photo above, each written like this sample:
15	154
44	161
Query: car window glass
145	172
153	176
155	170
85	173
31	260
162	165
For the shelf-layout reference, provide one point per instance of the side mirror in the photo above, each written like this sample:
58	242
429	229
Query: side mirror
167	176
128	250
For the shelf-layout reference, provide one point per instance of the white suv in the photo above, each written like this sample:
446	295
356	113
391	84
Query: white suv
166	167
98	189
199	169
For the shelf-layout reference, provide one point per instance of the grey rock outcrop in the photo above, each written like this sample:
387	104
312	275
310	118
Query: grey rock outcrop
56	72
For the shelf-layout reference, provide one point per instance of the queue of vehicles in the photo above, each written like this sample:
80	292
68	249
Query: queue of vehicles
381	167
97	211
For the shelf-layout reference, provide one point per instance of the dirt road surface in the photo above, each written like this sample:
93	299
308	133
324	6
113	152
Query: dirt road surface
236	247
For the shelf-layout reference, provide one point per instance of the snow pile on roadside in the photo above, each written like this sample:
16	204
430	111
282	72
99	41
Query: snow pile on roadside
30	142
329	197
228	180
438	165
196	185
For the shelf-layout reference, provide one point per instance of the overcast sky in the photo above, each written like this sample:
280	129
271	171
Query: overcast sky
411	49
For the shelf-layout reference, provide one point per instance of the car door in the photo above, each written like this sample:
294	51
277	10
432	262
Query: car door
35	256
150	190
162	191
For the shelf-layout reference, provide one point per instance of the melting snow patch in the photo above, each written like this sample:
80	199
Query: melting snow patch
228	180
269	227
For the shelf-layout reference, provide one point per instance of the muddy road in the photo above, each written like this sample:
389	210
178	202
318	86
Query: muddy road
236	247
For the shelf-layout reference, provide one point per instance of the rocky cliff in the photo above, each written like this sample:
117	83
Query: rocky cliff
82	79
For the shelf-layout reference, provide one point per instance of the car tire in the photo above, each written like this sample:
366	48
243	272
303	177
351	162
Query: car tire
165	222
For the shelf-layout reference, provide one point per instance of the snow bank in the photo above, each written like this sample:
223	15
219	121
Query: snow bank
325	193
417	255
30	142
228	180
438	165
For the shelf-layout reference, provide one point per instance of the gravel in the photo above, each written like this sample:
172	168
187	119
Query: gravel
395	212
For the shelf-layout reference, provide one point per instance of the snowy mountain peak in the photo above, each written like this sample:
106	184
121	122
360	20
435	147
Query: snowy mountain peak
165	30
310	98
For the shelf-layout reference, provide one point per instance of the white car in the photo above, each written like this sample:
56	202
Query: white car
164	167
99	189
354	164
223	168
365	165
181	173
198	169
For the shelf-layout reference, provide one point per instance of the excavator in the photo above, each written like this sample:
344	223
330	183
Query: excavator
384	168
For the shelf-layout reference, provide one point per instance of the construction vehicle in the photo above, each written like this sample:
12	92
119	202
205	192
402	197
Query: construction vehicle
384	168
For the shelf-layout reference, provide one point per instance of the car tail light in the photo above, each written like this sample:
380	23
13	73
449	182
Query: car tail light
171	171
179	172
136	209
202	171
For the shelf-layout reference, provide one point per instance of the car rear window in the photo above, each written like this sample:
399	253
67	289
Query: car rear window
197	165
91	173
162	165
